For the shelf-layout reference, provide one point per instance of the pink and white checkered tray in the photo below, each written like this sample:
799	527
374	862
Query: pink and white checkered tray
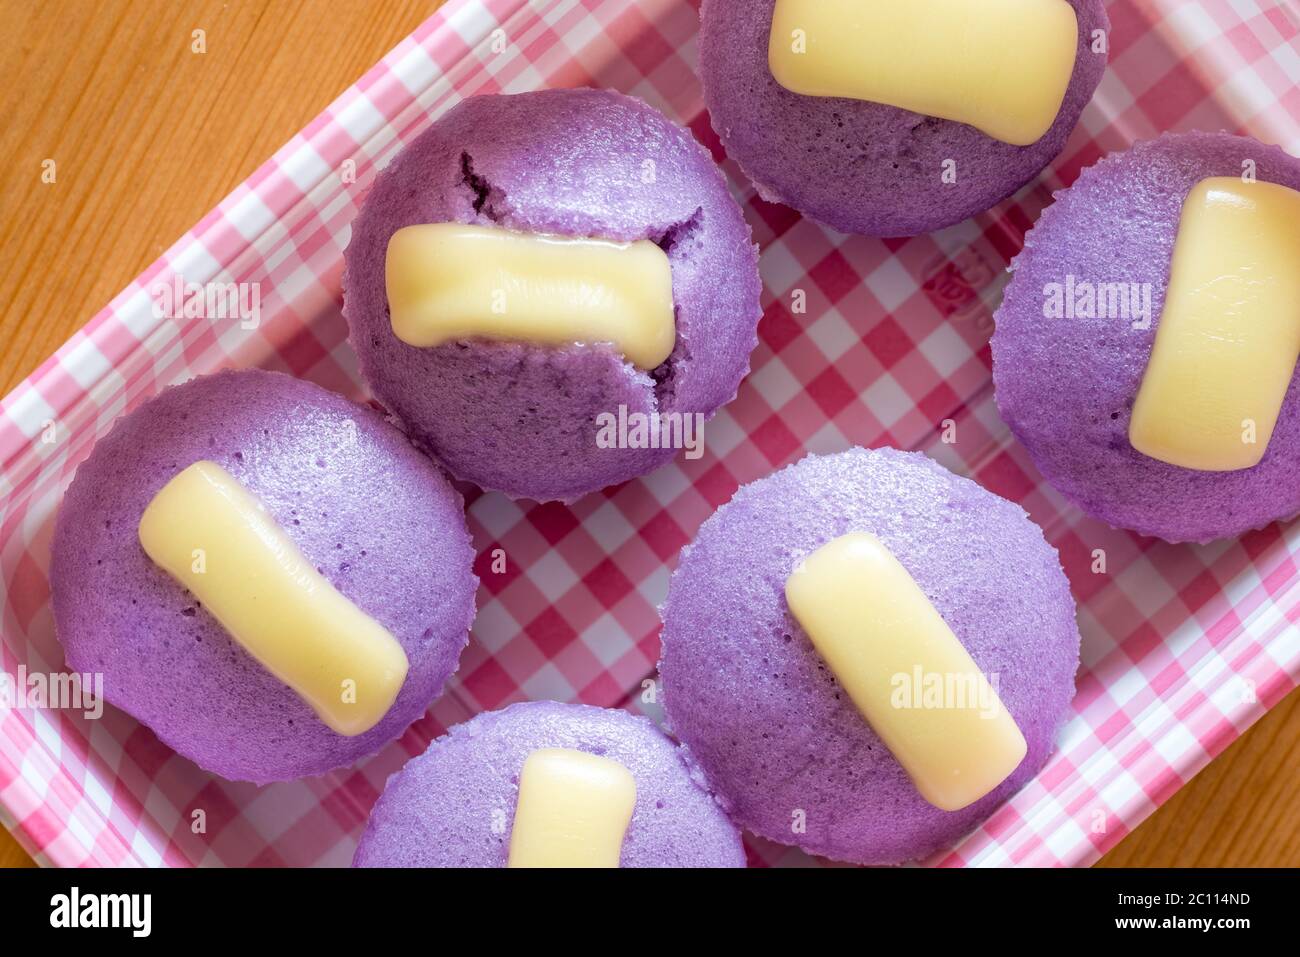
1183	647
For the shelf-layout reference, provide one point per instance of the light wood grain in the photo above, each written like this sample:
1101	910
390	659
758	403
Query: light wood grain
148	136
11	855
1241	811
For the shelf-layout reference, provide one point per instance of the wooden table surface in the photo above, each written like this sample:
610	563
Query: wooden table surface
147	136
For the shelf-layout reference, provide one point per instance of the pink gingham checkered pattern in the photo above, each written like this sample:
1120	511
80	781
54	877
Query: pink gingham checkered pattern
1183	647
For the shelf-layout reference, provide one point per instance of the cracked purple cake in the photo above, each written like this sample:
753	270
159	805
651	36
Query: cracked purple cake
889	119
1146	344
544	784
268	575
534	268
865	654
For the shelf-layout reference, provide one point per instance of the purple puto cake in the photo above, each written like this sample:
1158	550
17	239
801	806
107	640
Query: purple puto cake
1067	385
522	417
455	805
867	167
369	514
776	727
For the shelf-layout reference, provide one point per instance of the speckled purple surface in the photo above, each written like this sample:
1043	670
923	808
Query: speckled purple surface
376	517
756	707
521	419
454	805
865	167
1066	386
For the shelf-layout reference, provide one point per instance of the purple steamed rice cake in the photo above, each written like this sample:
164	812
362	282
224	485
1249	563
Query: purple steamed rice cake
864	167
454	805
1066	386
377	518
757	708
522	418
